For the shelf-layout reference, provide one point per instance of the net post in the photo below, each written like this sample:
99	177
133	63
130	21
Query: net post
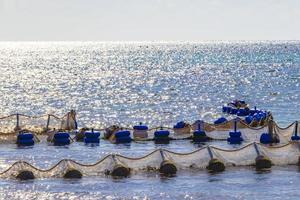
68	121
18	122
162	154
256	148
48	123
235	124
201	125
296	128
270	128
210	152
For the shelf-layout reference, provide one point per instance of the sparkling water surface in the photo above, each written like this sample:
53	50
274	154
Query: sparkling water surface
158	84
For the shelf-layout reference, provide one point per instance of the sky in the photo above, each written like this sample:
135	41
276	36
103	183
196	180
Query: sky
149	20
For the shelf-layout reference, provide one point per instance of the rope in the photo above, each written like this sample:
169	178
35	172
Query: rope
51	168
8	116
34	117
277	126
275	147
184	154
232	150
139	158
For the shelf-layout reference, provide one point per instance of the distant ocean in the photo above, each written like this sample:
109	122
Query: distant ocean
154	83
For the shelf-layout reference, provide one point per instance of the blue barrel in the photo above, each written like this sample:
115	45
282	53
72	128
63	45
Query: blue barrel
248	119
235	140
220	120
25	139
252	112
91	140
26	142
61	138
124	139
257	116
235	134
62	141
124	133
242	112
25	136
161	137
161	133
225	109
140	128
91	137
92	134
233	111
266	138
199	136
295	138
180	124
61	135
199	133
229	110
263	115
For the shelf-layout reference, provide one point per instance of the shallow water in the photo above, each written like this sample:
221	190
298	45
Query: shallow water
161	83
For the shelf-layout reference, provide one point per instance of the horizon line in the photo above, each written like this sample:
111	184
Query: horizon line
148	41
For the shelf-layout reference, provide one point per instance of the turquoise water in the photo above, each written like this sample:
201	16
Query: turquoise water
156	83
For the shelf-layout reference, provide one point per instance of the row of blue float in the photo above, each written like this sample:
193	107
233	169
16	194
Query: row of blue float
241	109
91	137
160	136
237	107
248	114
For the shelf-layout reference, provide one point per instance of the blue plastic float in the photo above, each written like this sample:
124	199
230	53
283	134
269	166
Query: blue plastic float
295	137
266	138
225	109
180	124
233	111
235	136
140	131
269	138
161	136
253	111
242	112
248	119
25	139
61	139
220	120
123	136
91	137
200	135
140	127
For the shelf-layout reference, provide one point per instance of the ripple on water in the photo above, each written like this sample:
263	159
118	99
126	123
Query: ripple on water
158	84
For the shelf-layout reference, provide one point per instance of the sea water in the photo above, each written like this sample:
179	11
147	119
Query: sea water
154	83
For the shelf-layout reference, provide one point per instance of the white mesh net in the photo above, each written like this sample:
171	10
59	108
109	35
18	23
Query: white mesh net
197	159
8	123
239	157
279	155
282	155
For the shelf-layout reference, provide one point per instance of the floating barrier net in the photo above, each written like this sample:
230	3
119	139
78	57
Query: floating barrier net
41	125
163	161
